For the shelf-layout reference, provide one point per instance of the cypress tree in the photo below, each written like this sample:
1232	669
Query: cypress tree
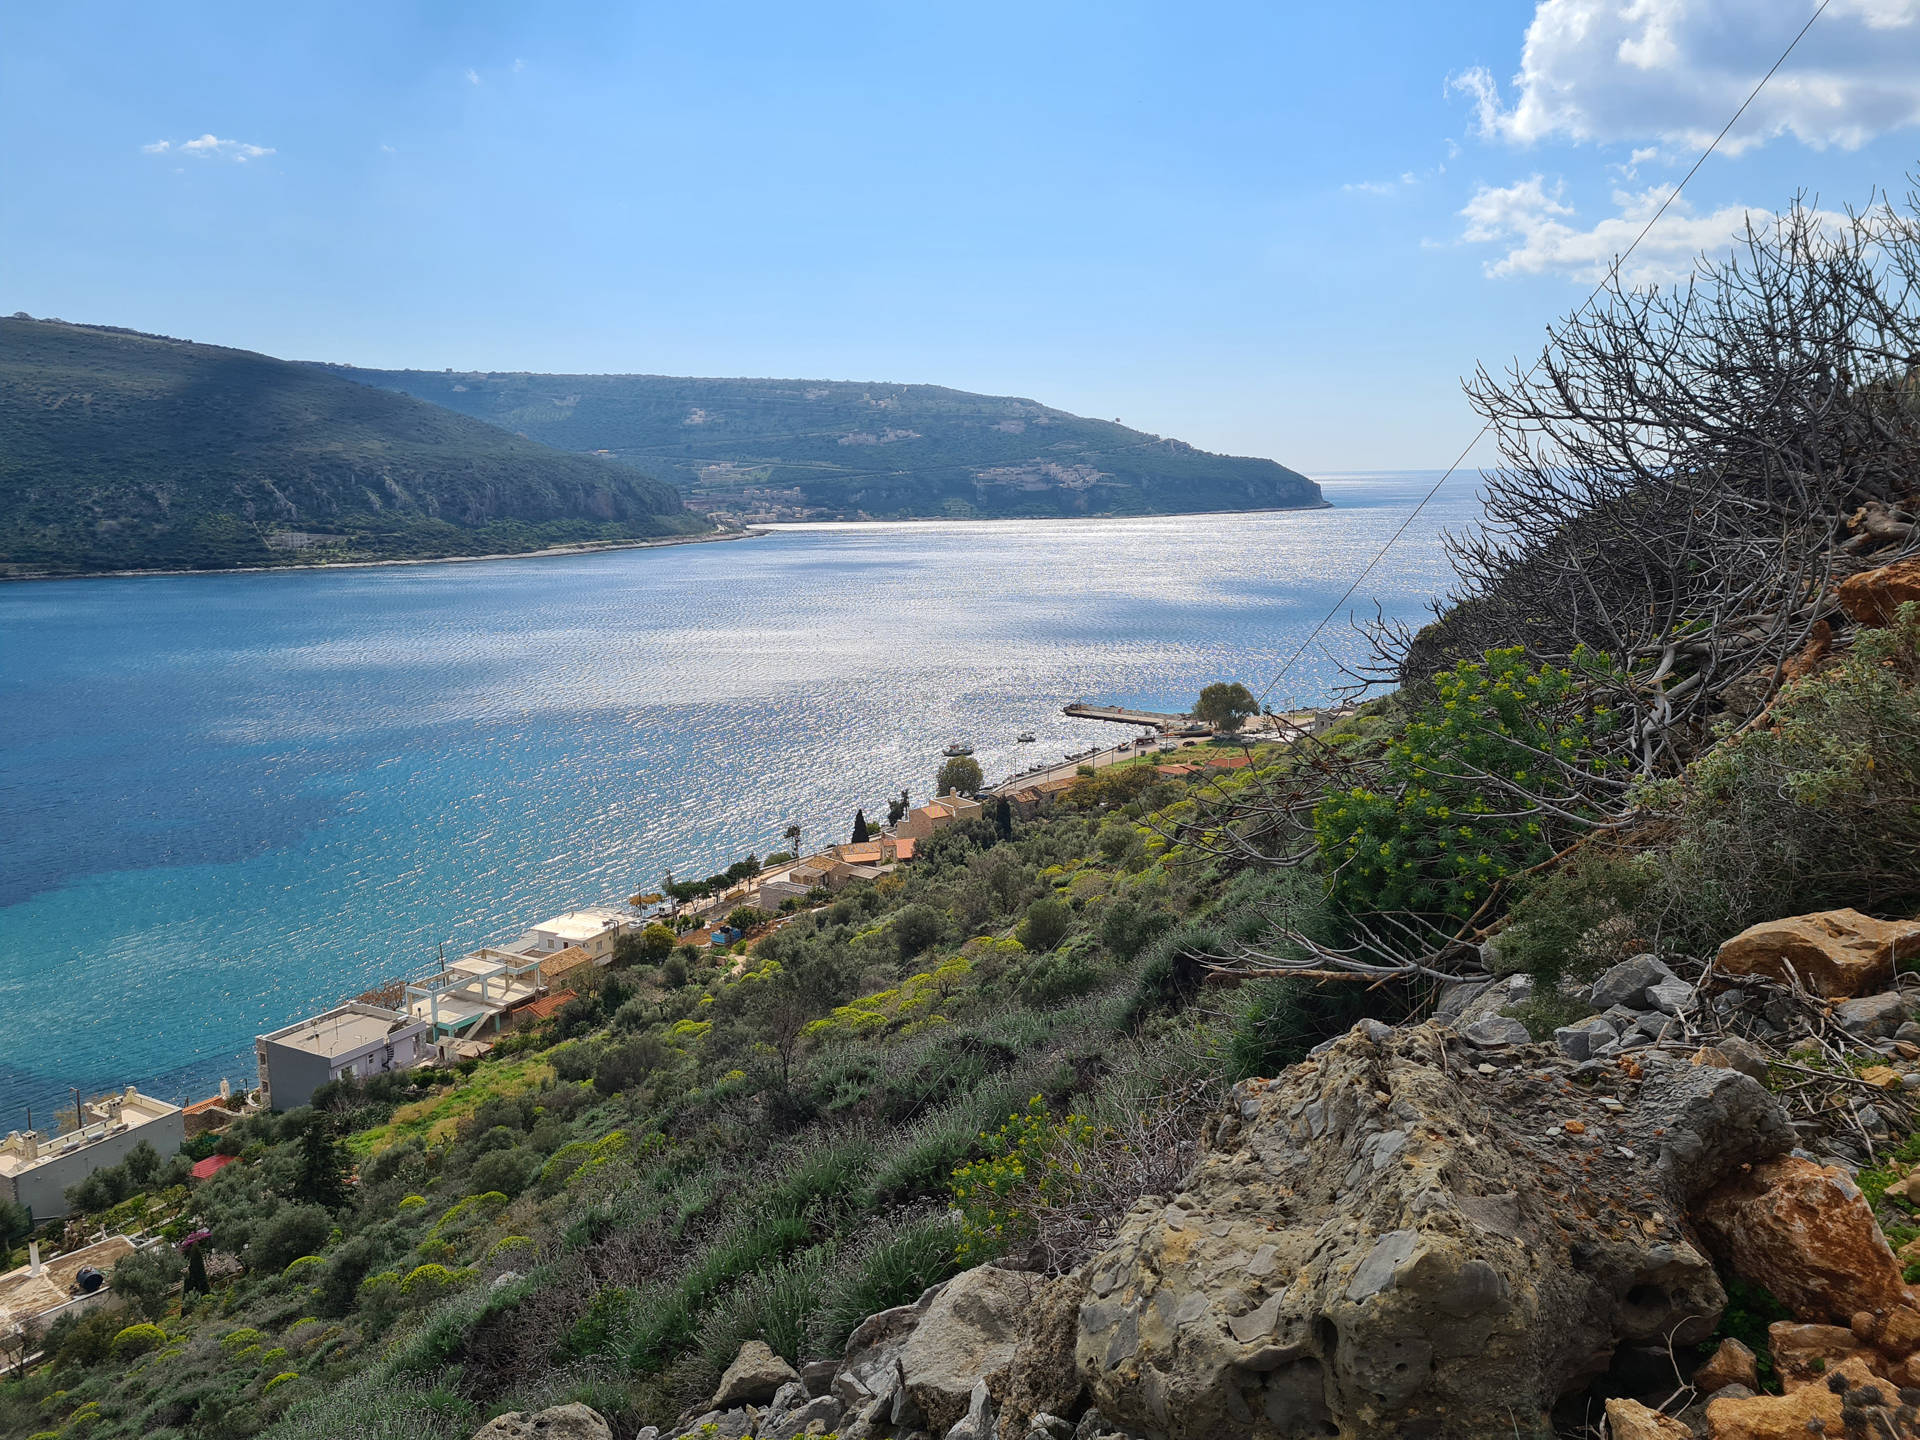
860	827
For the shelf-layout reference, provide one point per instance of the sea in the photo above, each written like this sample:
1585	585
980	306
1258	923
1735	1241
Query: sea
229	801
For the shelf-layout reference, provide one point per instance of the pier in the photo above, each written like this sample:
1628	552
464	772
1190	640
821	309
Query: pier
1152	719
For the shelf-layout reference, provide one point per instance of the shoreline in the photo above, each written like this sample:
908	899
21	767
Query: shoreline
595	547
585	547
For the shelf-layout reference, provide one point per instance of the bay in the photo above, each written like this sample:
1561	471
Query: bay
231	800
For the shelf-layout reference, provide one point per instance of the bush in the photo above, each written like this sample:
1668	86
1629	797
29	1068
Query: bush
1816	810
1570	921
138	1340
916	928
996	1194
1046	923
1427	841
630	1063
745	917
147	1279
290	1232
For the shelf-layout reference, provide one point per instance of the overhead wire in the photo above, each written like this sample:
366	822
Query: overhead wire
1606	280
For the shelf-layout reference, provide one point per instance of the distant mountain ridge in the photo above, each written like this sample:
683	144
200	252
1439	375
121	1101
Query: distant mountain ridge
122	451
841	450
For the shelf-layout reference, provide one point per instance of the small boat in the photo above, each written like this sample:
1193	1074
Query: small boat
958	748
1026	737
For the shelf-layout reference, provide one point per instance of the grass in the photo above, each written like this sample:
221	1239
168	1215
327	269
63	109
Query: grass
434	1119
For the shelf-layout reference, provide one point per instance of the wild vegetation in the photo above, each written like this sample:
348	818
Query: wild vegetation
1603	748
836	451
127	451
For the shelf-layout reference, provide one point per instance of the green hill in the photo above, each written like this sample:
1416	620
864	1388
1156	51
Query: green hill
127	451
830	450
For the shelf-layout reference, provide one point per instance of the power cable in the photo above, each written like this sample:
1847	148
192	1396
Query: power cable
1612	274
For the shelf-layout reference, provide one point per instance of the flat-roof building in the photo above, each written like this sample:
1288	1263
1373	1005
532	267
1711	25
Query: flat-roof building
594	930
354	1041
36	1169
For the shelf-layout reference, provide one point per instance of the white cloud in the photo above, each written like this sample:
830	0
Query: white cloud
1676	70
518	66
1537	227
473	77
1370	187
211	147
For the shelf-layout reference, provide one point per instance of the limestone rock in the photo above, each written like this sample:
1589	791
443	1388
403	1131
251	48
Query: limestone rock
1808	1235
1732	1364
754	1377
1043	1379
1805	1354
1385	1241
1811	1410
967	1334
1495	1031
1630	1420
1872	596
1836	953
821	1410
561	1422
1873	1017
1670	997
1628	982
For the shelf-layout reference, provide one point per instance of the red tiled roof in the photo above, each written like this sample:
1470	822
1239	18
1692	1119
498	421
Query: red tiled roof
545	1007
200	1107
212	1165
903	847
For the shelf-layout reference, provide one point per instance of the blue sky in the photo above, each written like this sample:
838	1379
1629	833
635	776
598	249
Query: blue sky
1275	229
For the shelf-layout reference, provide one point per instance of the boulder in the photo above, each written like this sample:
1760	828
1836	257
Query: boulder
1804	1354
967	1334
1496	1031
1731	1364
1627	983
1580	1040
1670	997
561	1422
1043	1379
1630	1420
1805	1233
753	1378
1872	1017
821	1410
1812	1410
1871	597
1836	953
1386	1241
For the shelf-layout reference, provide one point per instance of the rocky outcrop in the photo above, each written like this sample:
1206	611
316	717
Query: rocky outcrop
1043	1379
1805	1233
754	1378
966	1335
562	1422
1401	1236
1871	597
1835	953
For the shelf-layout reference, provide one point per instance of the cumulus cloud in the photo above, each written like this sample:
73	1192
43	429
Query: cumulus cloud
473	77
211	147
1675	70
1540	233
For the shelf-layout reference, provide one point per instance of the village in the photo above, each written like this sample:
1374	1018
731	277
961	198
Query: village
458	1010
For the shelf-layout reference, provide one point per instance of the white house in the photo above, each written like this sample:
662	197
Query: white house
36	1168
349	1041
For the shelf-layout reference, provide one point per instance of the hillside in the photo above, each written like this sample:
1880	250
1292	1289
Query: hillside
127	451
830	450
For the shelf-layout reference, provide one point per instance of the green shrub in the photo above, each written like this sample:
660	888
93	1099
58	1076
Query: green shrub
1567	922
996	1194
138	1340
290	1232
1428	841
1046	923
1277	1021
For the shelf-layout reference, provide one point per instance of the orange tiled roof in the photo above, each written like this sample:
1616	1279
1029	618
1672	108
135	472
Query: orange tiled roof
903	847
545	1007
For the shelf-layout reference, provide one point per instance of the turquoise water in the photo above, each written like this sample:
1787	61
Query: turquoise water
228	801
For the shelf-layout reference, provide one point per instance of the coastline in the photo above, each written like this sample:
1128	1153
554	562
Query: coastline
585	547
594	547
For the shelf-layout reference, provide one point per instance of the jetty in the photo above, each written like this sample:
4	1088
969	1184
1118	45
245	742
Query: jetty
1151	719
